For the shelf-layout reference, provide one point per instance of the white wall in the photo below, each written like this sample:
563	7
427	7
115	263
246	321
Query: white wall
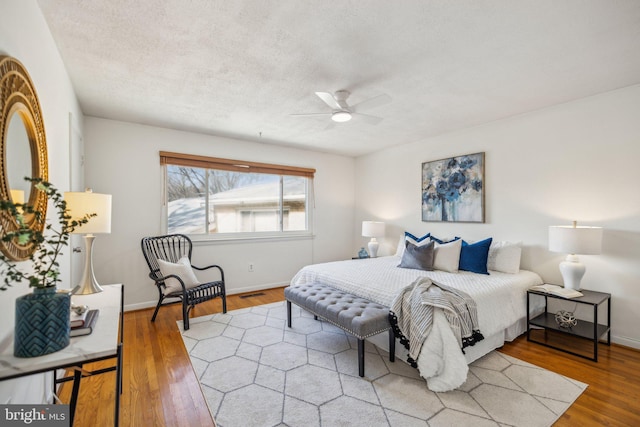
25	36
577	160
122	159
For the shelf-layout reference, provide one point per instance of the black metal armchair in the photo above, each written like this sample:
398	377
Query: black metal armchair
172	248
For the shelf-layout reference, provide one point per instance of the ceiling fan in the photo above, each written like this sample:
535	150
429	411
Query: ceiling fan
342	112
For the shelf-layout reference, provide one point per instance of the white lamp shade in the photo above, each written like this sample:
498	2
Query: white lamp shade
17	196
80	204
372	229
575	240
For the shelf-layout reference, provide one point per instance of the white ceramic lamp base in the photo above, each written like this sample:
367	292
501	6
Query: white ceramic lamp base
373	247
572	271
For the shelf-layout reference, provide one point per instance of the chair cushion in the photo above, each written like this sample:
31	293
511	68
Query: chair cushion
182	269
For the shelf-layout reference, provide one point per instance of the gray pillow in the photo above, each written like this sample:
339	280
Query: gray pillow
418	257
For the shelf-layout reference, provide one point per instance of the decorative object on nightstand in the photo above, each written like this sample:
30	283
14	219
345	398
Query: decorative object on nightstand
373	229
80	204
363	253
566	319
575	241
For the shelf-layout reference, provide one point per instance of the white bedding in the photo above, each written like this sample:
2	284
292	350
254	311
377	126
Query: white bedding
500	299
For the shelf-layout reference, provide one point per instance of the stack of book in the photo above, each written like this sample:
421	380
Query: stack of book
82	324
557	290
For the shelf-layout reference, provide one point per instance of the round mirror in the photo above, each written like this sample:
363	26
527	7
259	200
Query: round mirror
18	159
24	152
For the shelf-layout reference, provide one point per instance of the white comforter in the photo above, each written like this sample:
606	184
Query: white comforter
500	298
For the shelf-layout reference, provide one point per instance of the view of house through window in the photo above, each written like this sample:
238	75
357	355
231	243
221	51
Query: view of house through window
210	201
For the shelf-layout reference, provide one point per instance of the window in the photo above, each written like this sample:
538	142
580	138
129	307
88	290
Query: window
207	195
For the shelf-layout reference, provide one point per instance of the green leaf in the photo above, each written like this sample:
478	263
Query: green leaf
23	238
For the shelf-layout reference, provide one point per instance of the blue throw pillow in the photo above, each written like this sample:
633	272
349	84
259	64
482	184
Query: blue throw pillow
440	242
415	240
473	256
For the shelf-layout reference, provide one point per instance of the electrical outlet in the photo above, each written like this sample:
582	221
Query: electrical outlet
250	267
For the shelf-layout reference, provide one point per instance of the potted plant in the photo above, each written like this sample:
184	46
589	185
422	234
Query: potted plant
42	317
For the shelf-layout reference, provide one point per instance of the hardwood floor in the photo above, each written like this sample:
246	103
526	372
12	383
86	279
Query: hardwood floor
161	389
613	395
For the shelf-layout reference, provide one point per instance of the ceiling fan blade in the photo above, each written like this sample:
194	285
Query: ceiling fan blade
328	99
311	114
372	120
331	125
370	103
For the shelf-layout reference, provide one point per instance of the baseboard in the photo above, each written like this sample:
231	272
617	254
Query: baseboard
255	288
626	342
151	304
139	306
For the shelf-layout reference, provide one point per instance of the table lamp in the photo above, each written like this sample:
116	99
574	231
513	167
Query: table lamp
373	229
575	241
84	203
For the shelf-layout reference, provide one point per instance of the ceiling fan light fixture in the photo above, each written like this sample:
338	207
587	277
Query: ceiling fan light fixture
341	116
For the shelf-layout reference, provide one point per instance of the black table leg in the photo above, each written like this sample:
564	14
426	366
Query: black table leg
77	376
116	420
595	333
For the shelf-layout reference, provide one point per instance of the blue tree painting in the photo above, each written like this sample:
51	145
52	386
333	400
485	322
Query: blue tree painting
453	189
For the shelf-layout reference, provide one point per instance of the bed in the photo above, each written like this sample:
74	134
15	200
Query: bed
500	299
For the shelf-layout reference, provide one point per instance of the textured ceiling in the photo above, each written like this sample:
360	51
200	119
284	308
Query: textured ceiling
240	68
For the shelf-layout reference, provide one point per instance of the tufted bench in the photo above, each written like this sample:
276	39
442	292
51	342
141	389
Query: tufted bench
357	316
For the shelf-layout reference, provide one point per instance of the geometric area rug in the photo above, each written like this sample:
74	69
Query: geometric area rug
255	371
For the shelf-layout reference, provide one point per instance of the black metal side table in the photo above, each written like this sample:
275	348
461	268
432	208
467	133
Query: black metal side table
592	331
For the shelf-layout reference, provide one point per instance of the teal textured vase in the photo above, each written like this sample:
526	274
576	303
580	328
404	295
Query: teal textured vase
42	322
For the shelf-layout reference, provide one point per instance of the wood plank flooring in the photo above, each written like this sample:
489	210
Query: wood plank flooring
161	389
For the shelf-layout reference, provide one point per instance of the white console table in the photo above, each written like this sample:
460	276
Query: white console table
105	342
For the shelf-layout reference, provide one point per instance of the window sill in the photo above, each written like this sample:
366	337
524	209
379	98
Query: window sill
199	239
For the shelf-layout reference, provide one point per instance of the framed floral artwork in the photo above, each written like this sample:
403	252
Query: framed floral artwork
453	189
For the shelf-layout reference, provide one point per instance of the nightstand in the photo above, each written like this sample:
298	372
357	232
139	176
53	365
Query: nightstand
591	331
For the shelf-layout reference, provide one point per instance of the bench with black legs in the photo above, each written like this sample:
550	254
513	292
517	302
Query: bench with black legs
357	316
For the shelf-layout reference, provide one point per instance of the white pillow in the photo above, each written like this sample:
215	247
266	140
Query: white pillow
447	256
182	269
400	247
504	257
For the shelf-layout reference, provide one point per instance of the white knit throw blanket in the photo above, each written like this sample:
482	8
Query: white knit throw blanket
411	314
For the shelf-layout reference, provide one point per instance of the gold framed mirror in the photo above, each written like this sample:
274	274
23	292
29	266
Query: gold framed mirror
23	147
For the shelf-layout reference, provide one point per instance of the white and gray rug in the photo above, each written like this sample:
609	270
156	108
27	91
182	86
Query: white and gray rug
255	371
